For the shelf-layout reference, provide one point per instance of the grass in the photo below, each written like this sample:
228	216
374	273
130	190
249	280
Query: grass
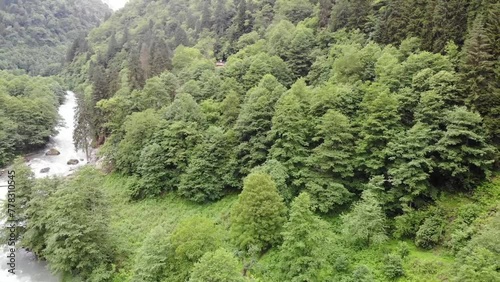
132	221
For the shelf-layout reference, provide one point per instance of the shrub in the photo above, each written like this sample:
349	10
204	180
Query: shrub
393	266
430	232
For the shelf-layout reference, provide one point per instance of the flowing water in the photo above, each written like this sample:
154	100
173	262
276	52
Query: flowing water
28	268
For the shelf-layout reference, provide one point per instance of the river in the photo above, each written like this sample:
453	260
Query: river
28	268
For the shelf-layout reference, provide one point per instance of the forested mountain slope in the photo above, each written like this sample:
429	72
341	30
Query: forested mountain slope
361	136
35	34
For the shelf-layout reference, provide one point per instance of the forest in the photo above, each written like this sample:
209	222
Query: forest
279	140
28	113
35	34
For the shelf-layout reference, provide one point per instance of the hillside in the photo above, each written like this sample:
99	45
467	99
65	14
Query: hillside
35	34
332	141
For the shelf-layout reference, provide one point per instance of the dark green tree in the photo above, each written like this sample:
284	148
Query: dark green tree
254	122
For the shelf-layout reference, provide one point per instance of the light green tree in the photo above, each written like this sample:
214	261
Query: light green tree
257	217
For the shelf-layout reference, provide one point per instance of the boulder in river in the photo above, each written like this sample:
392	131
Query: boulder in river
73	162
52	152
81	160
45	170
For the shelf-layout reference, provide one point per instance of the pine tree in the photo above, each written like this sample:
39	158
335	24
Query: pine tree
480	76
160	57
257	217
306	249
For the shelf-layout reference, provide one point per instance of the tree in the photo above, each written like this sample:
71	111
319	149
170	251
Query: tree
160	58
411	165
306	248
379	126
464	156
191	239
366	223
77	227
153	256
36	234
254	122
299	52
257	217
480	72
330	164
210	168
137	131
294	10
218	266
291	133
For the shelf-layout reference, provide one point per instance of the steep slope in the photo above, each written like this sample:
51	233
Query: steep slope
34	35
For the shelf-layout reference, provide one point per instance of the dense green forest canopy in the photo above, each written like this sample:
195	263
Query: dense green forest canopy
338	141
35	34
28	112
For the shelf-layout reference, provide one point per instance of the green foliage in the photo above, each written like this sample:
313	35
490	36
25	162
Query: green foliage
210	168
151	261
258	216
28	112
463	150
218	266
77	224
430	233
366	223
254	122
330	162
306	250
393	266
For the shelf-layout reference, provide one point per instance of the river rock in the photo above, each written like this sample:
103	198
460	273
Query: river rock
81	160
52	152
73	162
45	170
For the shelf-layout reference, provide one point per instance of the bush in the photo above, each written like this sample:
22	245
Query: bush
430	232
393	266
